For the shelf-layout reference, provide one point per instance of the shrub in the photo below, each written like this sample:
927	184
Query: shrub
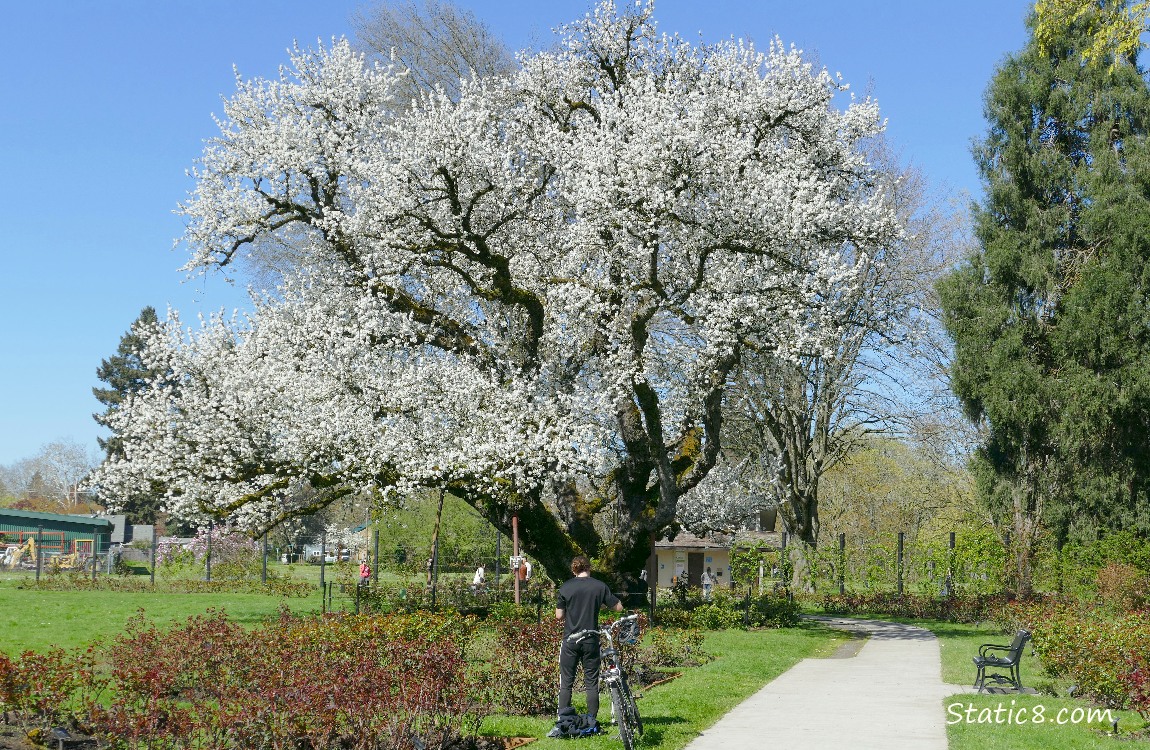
349	682
524	671
728	610
673	616
1098	654
1137	684
972	608
43	690
712	616
1122	587
674	648
84	582
772	611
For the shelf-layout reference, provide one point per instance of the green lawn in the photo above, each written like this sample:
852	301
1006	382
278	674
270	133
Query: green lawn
35	620
676	712
1032	722
1018	722
1001	729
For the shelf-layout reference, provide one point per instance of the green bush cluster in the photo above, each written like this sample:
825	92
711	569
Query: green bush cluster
726	609
524	670
968	609
1105	657
83	582
669	649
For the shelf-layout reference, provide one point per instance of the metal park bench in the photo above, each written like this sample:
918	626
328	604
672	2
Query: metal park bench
1009	662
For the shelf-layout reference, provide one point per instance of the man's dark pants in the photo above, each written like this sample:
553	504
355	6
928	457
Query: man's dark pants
585	652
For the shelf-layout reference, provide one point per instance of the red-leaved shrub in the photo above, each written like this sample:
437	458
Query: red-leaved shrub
300	682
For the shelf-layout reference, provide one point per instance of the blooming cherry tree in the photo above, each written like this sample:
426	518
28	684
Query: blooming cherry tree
534	296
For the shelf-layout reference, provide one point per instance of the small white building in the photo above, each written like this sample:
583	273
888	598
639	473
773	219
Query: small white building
690	555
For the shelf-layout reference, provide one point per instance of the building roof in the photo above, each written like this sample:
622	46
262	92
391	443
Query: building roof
684	540
31	517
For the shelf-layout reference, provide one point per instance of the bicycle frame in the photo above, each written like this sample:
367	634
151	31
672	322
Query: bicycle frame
623	710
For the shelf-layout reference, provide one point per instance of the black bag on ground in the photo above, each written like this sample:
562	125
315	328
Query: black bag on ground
570	725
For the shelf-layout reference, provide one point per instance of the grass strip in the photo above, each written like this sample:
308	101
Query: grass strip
677	712
36	620
1035	722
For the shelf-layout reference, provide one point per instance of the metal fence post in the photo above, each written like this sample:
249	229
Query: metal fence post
264	572
153	573
95	548
39	549
842	564
375	555
209	555
901	537
323	561
950	566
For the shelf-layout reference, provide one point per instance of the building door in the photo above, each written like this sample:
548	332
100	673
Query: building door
695	568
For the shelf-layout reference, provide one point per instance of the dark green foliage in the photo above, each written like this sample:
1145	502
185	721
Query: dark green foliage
970	609
728	609
1050	316
125	373
1106	657
525	666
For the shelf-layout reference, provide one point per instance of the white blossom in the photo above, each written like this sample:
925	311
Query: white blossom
524	285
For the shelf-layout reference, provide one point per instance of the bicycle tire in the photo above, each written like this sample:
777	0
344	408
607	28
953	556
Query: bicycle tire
632	708
622	719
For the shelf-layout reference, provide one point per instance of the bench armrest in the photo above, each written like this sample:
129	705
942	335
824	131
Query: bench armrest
984	648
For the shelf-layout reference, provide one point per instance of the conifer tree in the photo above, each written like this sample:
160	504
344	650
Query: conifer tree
125	373
1050	316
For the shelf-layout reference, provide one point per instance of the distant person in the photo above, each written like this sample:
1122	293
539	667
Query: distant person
364	573
479	579
641	589
708	581
577	605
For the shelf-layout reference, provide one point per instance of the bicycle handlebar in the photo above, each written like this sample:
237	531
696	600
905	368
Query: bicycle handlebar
581	634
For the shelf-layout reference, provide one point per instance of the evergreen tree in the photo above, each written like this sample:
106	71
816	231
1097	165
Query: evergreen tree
1050	315
125	373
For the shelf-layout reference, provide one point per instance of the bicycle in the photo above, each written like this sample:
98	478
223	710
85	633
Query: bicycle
624	712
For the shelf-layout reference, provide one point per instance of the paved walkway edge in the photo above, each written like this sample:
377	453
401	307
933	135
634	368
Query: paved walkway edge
888	695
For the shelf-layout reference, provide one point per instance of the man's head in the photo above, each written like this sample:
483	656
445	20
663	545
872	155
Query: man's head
580	564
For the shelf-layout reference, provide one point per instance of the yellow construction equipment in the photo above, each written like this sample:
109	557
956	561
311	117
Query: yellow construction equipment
16	553
73	561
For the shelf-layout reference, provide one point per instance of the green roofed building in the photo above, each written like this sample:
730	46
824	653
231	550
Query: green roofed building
59	534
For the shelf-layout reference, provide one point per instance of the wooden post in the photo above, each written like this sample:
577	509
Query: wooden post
433	569
652	577
264	572
498	552
515	552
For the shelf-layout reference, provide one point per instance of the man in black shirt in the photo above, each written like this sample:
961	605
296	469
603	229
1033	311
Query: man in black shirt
577	607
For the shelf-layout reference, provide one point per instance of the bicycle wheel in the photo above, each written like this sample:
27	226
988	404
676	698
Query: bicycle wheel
631	709
623	721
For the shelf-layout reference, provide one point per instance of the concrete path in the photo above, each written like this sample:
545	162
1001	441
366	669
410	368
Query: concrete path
888	695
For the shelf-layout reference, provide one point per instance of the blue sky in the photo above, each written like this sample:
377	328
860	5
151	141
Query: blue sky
104	105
